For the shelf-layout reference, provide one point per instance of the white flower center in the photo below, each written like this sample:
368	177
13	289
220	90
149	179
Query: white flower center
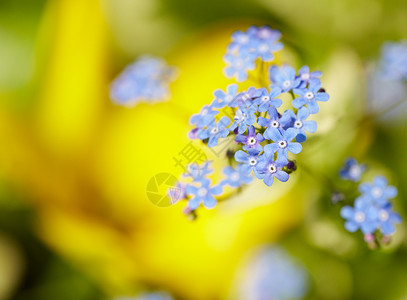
383	215
239	64
265	98
214	130
252	161
228	98
377	192
305	76
246	96
263	48
286	83
204	112
298	124
235	176
309	95
243	39
202	192
360	217
282	144
251	141
274	124
272	169
355	171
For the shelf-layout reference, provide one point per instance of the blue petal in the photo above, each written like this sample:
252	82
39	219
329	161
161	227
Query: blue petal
271	148
387	228
209	202
310	126
294	148
303	113
298	102
313	106
347	212
281	175
263	122
268	179
194	203
273	134
351	226
217	190
322	97
241	156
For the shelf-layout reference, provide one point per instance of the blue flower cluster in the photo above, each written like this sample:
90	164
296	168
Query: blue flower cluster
246	47
273	275
393	63
146	80
372	210
265	136
197	188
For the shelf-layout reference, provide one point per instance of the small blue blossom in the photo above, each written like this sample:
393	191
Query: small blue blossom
309	96
204	117
352	170
203	194
268	168
272	274
267	99
393	63
299	123
249	160
244	117
146	80
223	99
251	140
284	77
265	50
198	172
387	218
273	121
378	191
245	99
362	216
307	77
282	142
241	41
239	65
236	177
215	131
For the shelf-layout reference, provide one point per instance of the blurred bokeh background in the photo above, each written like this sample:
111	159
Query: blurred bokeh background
75	220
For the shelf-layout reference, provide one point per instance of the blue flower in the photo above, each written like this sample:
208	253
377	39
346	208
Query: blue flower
146	80
204	118
309	96
282	142
273	121
264	49
251	140
387	218
245	99
223	99
241	40
239	65
215	131
362	216
266	99
249	160
284	77
306	76
268	168
236	177
244	117
352	170
378	191
203	194
199	172
299	123
393	63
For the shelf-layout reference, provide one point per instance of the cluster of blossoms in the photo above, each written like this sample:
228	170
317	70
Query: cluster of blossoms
274	275
146	80
393	62
265	136
372	211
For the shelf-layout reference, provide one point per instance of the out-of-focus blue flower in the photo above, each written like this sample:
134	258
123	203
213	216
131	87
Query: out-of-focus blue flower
393	62
284	77
205	117
236	177
309	96
251	140
249	160
352	170
268	168
203	194
362	216
273	275
378	191
198	172
245	98
299	123
387	218
215	131
267	99
306	76
282	142
239	65
244	117
145	80
223	99
272	121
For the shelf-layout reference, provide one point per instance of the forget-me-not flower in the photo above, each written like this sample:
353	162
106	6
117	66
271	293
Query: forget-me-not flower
203	194
223	99
268	168
284	77
352	170
267	99
309	96
236	177
244	117
282	142
215	131
251	140
378	191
